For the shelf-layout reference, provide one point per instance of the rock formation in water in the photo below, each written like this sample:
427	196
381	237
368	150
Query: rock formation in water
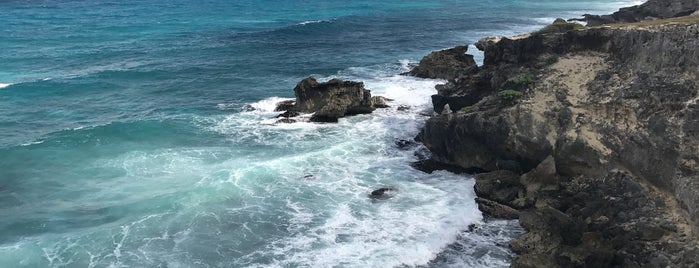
590	137
330	100
446	64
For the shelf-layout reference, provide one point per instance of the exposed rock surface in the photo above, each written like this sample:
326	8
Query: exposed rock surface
598	133
330	100
383	193
652	9
446	64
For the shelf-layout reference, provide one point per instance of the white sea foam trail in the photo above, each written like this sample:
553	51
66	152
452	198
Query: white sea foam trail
4	85
328	170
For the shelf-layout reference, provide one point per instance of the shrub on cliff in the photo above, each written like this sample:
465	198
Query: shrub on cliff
520	82
509	97
560	26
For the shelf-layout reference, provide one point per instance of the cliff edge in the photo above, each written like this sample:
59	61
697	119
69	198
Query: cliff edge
590	137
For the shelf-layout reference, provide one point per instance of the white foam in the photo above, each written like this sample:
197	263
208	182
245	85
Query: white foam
4	85
544	20
312	22
267	105
340	226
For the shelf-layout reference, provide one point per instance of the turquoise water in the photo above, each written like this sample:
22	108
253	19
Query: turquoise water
141	134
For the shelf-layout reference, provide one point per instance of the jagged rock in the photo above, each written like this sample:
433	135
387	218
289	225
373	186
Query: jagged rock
330	100
431	165
446	64
494	209
379	102
286	121
652	9
406	144
284	106
502	186
486	42
606	135
287	114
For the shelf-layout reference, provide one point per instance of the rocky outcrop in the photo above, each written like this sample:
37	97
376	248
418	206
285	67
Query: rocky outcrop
330	100
446	64
597	133
652	9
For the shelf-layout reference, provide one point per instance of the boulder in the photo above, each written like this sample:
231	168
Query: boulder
330	100
446	64
502	186
494	209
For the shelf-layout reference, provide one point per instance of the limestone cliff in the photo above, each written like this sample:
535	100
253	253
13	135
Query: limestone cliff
601	128
651	9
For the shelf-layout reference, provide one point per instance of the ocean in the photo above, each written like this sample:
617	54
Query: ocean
142	133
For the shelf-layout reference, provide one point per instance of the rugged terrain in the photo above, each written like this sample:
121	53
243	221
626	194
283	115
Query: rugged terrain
590	137
650	10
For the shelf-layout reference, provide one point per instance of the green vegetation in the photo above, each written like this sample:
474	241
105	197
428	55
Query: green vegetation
509	97
560	26
522	79
520	82
551	60
466	109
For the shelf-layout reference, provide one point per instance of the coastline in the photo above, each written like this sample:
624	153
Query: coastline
552	110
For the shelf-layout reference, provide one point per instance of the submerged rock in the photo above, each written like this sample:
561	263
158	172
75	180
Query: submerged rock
406	144
383	193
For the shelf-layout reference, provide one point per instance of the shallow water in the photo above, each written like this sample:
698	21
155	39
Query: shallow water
141	134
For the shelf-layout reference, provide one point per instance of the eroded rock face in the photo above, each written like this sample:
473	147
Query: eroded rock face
652	9
330	100
598	129
446	64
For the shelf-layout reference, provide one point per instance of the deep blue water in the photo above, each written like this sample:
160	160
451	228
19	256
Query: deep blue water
140	133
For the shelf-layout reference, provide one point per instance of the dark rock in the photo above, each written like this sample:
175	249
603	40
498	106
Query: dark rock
383	193
288	114
494	209
403	108
286	121
406	144
446	64
651	9
431	165
284	105
516	246
333	99
605	135
501	186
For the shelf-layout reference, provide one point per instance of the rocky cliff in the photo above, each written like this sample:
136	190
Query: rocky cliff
652	9
592	140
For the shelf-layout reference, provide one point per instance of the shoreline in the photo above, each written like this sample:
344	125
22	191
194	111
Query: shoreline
529	112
